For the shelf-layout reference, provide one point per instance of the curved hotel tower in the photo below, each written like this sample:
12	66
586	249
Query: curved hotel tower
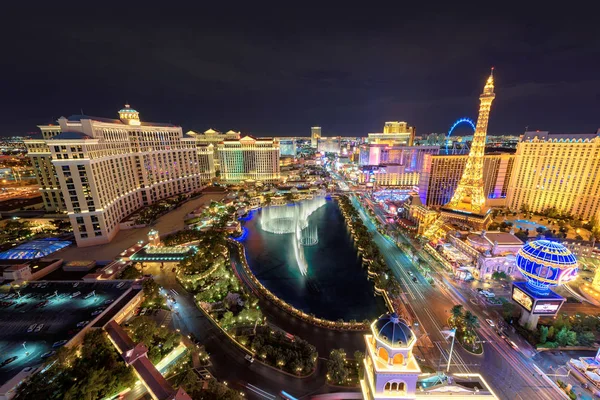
106	168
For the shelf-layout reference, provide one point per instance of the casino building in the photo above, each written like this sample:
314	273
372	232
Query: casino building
557	170
104	169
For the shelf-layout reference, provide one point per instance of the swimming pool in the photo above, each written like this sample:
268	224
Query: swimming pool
527	224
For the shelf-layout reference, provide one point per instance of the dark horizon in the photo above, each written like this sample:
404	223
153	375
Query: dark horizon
277	72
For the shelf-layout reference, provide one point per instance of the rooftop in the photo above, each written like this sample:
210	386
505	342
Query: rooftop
503	238
34	249
79	118
545	136
54	315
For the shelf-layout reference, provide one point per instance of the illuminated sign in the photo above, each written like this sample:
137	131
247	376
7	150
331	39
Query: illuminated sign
522	298
547	306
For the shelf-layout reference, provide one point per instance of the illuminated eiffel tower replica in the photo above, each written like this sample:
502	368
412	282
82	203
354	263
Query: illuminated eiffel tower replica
467	207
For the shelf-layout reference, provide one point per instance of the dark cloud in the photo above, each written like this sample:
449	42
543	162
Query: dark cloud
278	71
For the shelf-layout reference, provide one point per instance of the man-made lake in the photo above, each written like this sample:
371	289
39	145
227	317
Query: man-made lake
328	280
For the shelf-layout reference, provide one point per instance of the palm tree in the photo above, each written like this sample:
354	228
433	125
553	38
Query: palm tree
471	320
457	312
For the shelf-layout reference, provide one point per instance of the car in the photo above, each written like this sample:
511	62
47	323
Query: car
97	312
81	324
76	284
249	358
59	343
479	289
109	301
410	273
143	311
8	361
120	285
490	322
39	327
41	304
48	354
73	295
31	328
414	279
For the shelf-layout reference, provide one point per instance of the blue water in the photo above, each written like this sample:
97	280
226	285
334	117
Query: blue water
527	224
336	285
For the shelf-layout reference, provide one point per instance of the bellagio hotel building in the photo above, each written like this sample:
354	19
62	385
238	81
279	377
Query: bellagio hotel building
557	170
101	170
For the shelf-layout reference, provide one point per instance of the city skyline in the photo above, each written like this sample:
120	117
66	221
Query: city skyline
279	78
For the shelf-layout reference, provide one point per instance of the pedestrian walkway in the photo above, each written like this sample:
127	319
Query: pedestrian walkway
170	222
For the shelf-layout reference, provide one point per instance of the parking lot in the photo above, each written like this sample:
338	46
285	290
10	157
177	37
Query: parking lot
46	314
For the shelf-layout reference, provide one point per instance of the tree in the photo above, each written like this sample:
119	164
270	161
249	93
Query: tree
130	272
551	333
562	336
457	312
499	275
151	289
586	338
508	309
336	366
540	229
471	320
522	235
543	334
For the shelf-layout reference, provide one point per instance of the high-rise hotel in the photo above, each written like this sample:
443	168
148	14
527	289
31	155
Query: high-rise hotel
250	159
106	169
557	170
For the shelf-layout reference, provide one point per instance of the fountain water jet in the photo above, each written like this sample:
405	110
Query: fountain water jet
282	220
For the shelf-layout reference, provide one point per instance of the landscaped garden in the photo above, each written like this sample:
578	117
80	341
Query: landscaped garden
220	294
379	271
562	331
344	372
464	324
94	370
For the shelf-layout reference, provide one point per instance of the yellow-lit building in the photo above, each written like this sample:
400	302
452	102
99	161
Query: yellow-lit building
213	137
315	135
41	160
394	132
557	170
250	158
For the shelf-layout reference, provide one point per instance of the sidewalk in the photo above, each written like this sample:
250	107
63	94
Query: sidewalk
170	222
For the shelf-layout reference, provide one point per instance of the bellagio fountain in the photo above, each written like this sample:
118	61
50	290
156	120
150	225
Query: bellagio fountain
292	219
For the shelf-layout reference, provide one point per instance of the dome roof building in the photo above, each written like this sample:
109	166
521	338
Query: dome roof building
393	330
391	370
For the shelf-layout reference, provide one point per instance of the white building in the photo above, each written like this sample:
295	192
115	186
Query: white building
109	168
250	158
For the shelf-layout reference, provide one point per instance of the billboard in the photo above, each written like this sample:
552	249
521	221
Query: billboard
522	298
548	307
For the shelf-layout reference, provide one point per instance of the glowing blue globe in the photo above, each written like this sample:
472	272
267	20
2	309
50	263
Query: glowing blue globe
545	264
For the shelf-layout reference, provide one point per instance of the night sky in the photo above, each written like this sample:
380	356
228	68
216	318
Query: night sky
279	71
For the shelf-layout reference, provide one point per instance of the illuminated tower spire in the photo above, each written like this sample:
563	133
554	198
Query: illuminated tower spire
469	195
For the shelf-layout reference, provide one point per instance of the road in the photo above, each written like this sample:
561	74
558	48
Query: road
228	363
509	372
